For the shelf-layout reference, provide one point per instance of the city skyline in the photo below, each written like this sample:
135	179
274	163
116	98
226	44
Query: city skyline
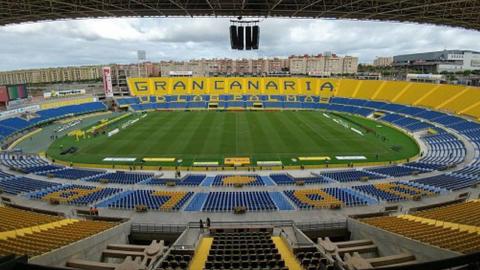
104	41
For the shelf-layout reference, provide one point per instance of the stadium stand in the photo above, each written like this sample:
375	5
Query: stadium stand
72	174
443	149
121	177
232	180
395	191
286	179
448	227
188	180
15	125
467	213
17	185
244	250
176	259
21	161
14	219
447	181
324	198
282	179
150	199
74	194
351	175
228	201
47	237
410	124
438	235
397	171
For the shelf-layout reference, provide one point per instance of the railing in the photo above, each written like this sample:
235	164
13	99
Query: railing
157	228
325	225
179	228
240	224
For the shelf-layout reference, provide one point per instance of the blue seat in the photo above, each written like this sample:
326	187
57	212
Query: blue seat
227	201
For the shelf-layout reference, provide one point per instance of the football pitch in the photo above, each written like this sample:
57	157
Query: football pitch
211	136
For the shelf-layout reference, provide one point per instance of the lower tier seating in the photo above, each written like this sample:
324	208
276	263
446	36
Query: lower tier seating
448	181
351	175
121	178
312	259
188	180
176	259
73	174
244	250
231	180
19	185
397	171
324	198
19	160
286	179
151	199
75	194
395	191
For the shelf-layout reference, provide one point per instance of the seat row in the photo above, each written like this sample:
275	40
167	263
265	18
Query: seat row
448	238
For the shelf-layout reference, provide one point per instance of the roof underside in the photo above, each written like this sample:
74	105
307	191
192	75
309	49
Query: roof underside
458	13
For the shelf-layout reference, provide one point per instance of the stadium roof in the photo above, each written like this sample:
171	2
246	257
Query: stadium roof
459	13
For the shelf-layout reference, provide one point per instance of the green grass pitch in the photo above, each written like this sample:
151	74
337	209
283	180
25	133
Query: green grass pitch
265	136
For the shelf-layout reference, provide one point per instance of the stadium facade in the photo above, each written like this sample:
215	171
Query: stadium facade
439	61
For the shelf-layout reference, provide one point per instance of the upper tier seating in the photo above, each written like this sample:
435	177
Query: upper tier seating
350	175
227	201
244	250
42	241
448	238
13	219
121	178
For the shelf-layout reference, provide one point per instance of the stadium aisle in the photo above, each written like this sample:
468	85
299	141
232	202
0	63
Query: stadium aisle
290	259
201	254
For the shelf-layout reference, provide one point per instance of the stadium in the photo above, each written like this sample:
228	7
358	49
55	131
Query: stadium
245	172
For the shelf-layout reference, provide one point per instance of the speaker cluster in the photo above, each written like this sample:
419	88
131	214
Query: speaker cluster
244	36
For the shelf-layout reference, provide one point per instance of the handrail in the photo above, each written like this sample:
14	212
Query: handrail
178	228
157	228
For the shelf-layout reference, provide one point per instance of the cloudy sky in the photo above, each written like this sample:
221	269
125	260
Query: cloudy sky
102	41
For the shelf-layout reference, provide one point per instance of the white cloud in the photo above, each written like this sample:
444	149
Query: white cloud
100	41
